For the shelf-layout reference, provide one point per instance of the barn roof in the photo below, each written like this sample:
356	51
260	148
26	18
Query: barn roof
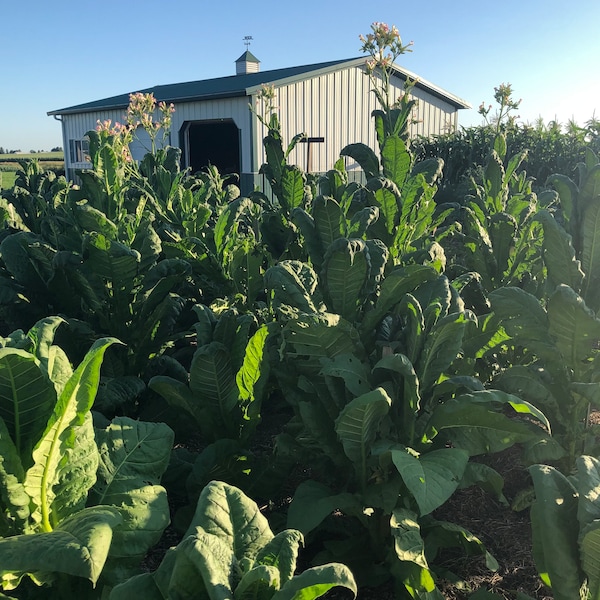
245	85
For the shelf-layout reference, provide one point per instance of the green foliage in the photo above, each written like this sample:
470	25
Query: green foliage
565	519
230	551
49	462
376	405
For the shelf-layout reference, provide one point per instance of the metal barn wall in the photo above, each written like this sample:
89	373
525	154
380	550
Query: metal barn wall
337	106
215	110
77	125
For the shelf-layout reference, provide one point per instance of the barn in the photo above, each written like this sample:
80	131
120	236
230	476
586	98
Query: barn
330	102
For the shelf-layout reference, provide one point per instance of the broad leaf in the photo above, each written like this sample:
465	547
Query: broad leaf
79	547
344	275
574	327
554	529
313	502
432	477
364	156
27	398
134	455
358	423
70	411
329	220
315	582
282	552
225	512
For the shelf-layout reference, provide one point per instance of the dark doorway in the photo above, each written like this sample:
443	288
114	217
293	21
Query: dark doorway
212	142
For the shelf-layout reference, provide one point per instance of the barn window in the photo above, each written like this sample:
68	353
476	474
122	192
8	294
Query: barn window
79	150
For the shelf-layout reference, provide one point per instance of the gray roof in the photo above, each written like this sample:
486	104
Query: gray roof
244	85
247	57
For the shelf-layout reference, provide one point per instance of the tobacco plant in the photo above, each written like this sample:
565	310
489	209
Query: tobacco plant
565	520
366	363
230	551
76	502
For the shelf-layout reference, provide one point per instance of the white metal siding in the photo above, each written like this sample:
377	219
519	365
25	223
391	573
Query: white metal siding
337	106
215	110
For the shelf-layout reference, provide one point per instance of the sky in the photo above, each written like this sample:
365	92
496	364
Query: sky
67	52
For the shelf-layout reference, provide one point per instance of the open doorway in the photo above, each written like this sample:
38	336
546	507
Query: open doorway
212	143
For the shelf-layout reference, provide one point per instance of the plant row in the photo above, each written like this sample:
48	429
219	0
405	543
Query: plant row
390	338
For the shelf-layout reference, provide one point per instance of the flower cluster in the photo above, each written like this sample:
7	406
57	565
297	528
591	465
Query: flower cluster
265	103
120	134
140	112
502	118
384	45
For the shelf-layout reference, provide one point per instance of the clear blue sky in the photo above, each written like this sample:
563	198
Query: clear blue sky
65	52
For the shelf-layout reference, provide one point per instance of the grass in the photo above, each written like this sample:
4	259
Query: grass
7	179
9	165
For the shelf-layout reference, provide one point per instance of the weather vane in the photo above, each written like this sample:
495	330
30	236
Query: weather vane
247	40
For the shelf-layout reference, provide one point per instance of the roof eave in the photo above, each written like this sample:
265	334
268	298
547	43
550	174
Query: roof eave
75	110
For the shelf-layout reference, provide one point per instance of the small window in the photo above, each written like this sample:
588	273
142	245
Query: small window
79	150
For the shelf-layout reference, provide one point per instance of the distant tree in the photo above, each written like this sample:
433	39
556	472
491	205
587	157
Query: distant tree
32	151
2	150
56	149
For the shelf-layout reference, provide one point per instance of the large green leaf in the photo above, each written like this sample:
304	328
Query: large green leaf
364	156
77	473
441	348
408	543
397	283
344	274
431	477
358	423
79	546
590	252
27	398
386	197
312	337
313	502
567	191
28	259
559	254
587	484
253	374
110	260
259	583
316	581
282	552
212	379
329	220
524	319
574	327
288	286
396	160
352	371
228	514
70	411
293	181
554	529
476	423
13	498
590	556
178	394
204	568
134	455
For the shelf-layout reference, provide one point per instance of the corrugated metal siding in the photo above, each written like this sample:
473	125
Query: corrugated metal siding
77	125
337	106
214	110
